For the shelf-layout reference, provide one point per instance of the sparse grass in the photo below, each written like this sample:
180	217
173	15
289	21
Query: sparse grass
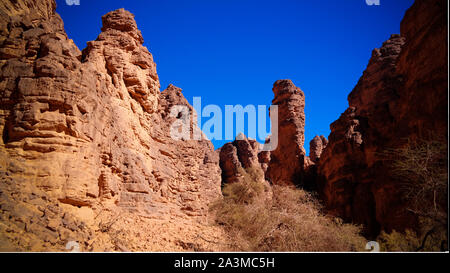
291	220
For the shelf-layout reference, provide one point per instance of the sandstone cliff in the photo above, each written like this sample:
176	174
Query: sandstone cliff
87	134
86	152
401	94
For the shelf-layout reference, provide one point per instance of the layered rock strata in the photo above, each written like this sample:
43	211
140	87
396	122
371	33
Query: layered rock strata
89	132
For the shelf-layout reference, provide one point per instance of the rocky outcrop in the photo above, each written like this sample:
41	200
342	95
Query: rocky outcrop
402	94
87	153
264	159
288	160
239	156
316	147
240	163
288	163
118	52
88	133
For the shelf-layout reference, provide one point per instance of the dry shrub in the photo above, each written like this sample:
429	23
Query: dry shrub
409	241
421	166
245	191
289	221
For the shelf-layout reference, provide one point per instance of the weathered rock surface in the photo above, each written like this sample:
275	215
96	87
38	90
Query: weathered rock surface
239	156
402	94
288	160
88	132
316	147
86	152
240	162
264	159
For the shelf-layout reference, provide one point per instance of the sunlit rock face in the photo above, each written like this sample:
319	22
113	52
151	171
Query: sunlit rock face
237	156
402	94
89	131
243	161
287	161
316	147
86	152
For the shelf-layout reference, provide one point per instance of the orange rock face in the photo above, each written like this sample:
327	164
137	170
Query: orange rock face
86	153
87	132
316	147
237	156
402	94
287	161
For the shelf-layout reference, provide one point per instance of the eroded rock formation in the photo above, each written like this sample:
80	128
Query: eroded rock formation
88	133
242	161
264	158
86	152
402	94
288	160
239	156
316	147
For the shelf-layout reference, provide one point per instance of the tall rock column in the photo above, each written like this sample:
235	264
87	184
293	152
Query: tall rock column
316	147
288	159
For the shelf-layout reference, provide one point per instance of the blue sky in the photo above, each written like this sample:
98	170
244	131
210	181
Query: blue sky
231	52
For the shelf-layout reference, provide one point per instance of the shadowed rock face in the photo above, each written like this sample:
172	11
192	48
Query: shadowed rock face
89	129
401	94
288	159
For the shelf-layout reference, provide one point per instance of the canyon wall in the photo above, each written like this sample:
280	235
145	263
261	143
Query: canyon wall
402	94
85	133
401	97
86	152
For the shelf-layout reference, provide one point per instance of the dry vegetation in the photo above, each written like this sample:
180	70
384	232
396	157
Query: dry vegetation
280	218
289	219
422	168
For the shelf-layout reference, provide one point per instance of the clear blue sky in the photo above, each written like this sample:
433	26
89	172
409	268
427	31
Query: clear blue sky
232	51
